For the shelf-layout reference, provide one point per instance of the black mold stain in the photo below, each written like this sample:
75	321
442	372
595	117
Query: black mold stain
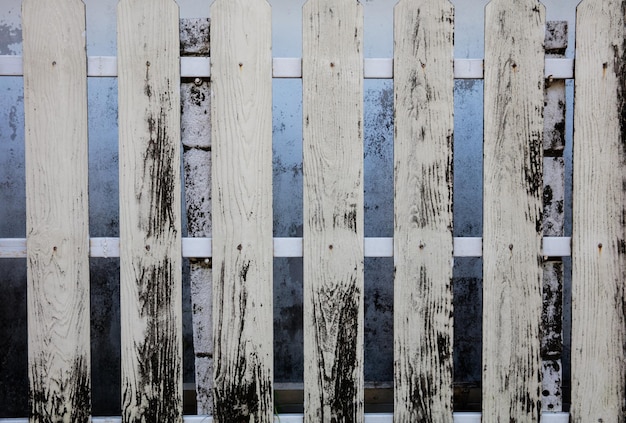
73	403
197	97
158	367
243	386
160	174
339	388
344	404
620	69
551	321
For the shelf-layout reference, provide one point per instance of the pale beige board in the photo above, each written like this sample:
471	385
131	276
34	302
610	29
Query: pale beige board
57	219
598	245
241	123
332	84
424	107
150	210
512	210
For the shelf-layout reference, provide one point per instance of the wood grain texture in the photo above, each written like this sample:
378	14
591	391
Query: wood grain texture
512	219
150	210
241	118
599	214
332	79
55	107
424	107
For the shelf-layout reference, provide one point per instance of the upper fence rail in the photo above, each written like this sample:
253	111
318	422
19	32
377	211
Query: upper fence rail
291	67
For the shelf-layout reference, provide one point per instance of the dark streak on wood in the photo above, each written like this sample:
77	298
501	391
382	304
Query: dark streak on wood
158	365
620	70
239	391
46	406
160	174
340	388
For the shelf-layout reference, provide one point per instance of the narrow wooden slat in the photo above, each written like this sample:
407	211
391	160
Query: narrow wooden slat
241	118
599	246
57	219
332	80
512	226
423	326
150	209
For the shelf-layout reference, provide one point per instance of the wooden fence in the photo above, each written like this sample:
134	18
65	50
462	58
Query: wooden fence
150	247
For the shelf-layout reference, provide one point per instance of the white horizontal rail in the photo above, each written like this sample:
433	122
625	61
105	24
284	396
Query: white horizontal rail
285	67
459	417
287	247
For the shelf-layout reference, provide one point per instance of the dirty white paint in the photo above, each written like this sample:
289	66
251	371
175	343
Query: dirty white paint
241	123
57	221
423	324
599	248
150	210
512	261
333	210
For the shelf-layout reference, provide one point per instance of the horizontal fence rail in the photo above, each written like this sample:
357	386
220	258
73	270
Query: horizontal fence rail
290	67
286	247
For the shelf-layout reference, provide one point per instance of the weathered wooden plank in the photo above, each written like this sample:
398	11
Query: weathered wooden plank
332	79
423	244
241	118
57	218
512	226
150	210
599	181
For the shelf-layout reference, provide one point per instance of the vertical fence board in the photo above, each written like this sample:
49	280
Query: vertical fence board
55	107
241	72
332	78
423	327
598	265
512	226
150	210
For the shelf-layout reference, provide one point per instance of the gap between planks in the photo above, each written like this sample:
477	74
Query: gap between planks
286	67
288	247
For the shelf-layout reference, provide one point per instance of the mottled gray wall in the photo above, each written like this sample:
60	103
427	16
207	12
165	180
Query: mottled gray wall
378	154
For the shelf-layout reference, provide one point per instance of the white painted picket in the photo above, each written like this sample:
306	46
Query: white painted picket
242	210
332	154
423	243
512	209
150	210
599	215
514	247
55	108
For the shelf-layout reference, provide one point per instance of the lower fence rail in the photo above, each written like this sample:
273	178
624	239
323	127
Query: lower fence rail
299	418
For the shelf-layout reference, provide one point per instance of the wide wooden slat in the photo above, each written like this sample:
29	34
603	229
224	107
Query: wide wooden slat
241	118
598	262
512	225
423	326
332	79
57	219
150	209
